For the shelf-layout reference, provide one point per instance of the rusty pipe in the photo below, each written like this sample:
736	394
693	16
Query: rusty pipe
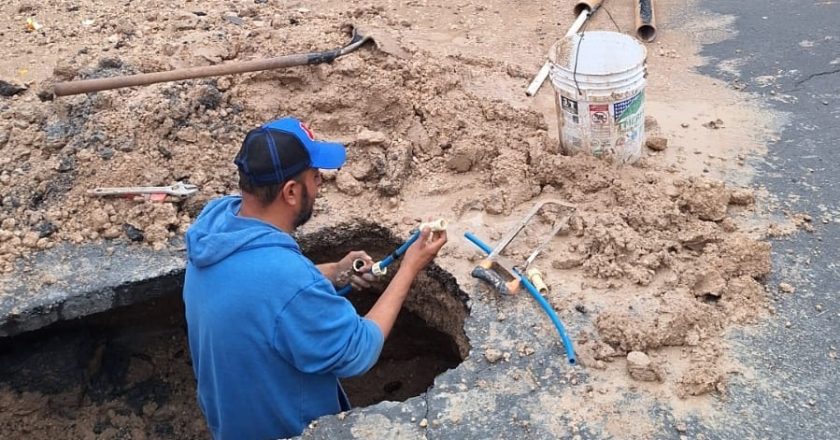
645	20
587	5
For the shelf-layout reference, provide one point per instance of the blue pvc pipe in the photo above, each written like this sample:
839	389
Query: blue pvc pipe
387	261
567	343
477	241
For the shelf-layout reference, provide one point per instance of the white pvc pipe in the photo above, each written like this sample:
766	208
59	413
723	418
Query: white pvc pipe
435	226
543	73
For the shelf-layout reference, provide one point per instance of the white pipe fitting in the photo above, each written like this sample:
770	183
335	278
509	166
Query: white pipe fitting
378	270
536	279
358	264
435	226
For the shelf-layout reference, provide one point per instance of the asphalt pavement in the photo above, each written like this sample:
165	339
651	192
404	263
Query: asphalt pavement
794	355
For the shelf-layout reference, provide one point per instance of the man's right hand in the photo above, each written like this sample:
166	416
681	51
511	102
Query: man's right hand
424	250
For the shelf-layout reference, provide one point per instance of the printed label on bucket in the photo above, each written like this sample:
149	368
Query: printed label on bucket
603	128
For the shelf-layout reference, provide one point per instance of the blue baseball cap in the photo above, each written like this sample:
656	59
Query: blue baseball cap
281	149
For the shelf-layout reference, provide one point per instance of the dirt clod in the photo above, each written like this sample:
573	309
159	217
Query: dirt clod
641	368
493	355
656	143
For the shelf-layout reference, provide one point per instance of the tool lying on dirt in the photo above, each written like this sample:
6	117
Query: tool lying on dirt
532	290
485	270
584	10
534	274
179	190
358	38
380	268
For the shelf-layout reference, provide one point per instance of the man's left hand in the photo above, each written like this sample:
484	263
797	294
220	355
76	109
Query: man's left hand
360	279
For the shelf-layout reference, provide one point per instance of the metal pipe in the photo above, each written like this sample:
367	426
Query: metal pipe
645	20
538	80
584	5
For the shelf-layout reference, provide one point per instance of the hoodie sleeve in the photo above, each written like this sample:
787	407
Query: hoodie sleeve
320	332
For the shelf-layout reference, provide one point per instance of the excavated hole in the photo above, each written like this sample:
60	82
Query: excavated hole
428	337
126	372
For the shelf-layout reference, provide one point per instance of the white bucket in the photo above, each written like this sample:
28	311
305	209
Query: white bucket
599	90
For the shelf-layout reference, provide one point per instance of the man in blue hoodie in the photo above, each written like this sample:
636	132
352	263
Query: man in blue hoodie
268	334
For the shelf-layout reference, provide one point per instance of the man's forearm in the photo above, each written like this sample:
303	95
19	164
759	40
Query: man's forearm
329	270
388	306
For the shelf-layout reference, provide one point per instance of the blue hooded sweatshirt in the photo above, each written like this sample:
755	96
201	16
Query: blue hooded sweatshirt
269	337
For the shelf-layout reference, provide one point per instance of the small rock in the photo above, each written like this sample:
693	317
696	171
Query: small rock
460	163
10	89
66	164
110	63
133	233
567	262
681	427
232	19
106	153
348	184
424	423
581	308
45	229
742	197
657	143
370	137
493	355
684	125
30	239
715	125
185	21
786	288
65	71
8	224
641	368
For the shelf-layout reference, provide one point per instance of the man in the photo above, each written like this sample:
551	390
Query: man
269	337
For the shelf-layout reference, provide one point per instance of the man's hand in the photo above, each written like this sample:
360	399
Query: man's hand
384	312
360	279
424	250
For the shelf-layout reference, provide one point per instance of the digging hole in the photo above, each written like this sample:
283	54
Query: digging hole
428	337
127	373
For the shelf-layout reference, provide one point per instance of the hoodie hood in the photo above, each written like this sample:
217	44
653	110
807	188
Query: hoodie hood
219	232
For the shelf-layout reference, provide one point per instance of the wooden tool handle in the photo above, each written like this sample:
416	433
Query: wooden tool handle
99	84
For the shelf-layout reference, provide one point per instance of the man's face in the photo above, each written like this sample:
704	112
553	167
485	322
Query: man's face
311	182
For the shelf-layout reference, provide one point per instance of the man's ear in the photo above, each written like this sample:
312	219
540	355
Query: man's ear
289	192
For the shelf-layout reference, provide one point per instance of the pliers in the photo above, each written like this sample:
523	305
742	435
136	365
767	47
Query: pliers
154	193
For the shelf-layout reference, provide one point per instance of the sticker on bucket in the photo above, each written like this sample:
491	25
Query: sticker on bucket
599	84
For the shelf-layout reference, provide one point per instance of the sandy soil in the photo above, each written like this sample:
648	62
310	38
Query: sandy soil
658	254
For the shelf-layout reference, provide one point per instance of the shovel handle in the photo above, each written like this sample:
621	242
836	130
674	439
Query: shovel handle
99	84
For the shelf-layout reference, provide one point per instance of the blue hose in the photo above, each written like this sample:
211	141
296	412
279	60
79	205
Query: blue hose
567	343
387	261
